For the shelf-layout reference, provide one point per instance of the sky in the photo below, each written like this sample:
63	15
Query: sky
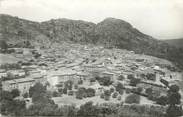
162	19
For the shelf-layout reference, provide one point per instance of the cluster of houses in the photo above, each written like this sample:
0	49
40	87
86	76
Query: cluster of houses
58	66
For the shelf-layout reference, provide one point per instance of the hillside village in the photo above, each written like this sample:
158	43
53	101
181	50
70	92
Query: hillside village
87	67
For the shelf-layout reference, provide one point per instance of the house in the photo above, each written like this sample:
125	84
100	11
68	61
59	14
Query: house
22	84
61	76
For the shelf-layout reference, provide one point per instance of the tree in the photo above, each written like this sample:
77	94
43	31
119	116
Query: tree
3	45
107	94
130	76
149	91
120	88
174	98
65	91
90	92
68	84
81	93
162	100
114	95
112	89
38	88
121	77
55	94
133	98
15	93
25	95
106	80
134	81
88	110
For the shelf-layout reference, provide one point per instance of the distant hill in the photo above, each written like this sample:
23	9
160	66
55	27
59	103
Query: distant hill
175	42
110	33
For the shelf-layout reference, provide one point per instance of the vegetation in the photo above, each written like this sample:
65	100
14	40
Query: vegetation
106	80
120	88
3	45
134	81
162	100
83	93
174	108
15	93
133	98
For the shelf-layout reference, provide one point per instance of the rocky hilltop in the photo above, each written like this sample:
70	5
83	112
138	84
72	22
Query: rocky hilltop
111	33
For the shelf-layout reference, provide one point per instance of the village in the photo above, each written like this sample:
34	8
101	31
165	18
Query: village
67	69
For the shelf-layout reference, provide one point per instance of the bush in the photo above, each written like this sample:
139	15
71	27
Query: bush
15	93
60	90
65	91
102	96
115	94
134	81
75	86
81	93
128	90
112	89
25	95
149	91
120	88
130	76
121	77
107	94
151	76
106	81
163	100
133	98
119	98
90	92
71	93
55	94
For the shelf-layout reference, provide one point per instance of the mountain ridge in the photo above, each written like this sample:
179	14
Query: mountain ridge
110	33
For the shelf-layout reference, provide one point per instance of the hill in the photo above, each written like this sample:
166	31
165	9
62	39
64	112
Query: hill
175	42
109	33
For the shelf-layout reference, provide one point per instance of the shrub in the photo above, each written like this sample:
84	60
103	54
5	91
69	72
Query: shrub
128	90
163	100
151	76
15	93
102	96
60	90
115	94
71	92
130	76
133	98
134	81
120	88
75	86
106	81
25	95
90	92
65	91
112	89
55	94
81	93
121	77
107	94
149	91
119	98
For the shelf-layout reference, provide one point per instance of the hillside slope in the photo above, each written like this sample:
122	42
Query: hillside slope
175	42
109	33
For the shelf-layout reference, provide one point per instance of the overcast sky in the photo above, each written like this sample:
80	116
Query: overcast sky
162	19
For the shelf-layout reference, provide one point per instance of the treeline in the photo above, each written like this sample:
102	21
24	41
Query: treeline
43	105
